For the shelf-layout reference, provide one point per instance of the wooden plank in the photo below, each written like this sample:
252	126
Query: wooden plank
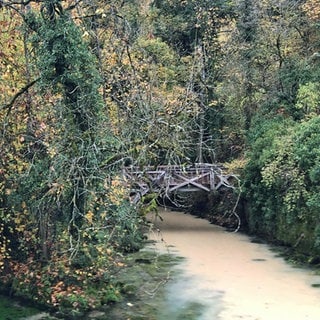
192	181
224	182
212	180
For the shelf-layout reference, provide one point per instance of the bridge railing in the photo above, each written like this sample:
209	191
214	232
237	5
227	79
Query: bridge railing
171	178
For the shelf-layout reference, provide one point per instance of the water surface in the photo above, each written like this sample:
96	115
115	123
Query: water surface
226	276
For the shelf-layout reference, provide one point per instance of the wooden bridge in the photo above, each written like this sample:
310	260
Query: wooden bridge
172	178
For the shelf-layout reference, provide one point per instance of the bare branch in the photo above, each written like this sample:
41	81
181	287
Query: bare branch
17	95
23	3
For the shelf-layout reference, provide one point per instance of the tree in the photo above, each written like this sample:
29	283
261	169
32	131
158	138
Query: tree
62	208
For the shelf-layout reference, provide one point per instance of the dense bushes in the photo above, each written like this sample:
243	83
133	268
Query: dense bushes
282	182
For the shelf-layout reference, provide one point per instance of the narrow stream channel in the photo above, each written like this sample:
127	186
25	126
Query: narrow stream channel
226	276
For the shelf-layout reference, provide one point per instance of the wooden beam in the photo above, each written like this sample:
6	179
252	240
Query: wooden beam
191	181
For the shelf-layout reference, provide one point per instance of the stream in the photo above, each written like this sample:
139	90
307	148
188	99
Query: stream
223	276
226	276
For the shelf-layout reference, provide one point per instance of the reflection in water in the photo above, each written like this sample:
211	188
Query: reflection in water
227	277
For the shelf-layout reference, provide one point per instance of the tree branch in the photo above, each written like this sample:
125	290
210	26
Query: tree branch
23	3
17	95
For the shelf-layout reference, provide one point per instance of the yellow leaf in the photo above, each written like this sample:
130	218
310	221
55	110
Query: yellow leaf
89	216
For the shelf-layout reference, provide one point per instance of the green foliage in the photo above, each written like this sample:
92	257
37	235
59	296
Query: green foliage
64	216
157	51
307	155
176	24
127	231
308	99
67	67
281	181
183	24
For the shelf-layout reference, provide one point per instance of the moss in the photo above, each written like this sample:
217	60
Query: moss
12	310
142	285
191	312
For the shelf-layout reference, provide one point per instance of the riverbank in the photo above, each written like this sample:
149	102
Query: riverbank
141	282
